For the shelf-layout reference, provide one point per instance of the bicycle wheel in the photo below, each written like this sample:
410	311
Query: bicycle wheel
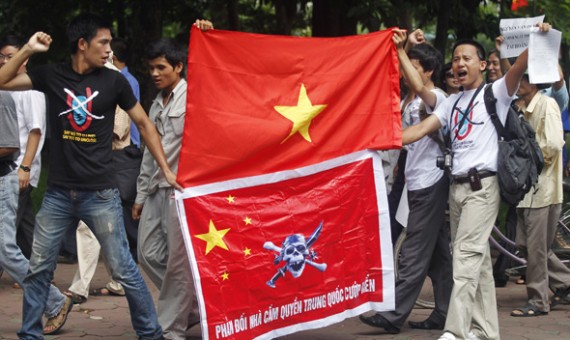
397	249
561	244
426	298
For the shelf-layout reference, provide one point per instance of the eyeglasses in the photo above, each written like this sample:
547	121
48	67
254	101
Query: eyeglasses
6	57
449	75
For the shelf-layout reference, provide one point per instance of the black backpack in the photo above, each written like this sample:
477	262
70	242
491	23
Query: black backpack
520	159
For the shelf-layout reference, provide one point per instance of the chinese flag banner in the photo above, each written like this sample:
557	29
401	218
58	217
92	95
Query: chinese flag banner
275	254
261	103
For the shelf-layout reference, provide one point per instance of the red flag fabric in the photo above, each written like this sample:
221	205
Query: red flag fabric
516	4
276	254
260	104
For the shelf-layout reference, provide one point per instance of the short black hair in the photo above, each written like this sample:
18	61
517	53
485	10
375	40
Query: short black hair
539	87
169	49
447	67
494	51
120	49
84	26
12	40
430	59
480	49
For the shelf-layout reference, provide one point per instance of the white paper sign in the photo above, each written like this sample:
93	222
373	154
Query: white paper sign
516	33
543	56
403	208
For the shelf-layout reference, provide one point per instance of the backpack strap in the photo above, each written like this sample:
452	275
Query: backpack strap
491	106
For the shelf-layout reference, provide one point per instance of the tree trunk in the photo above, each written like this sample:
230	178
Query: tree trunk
331	19
233	19
147	27
285	11
443	15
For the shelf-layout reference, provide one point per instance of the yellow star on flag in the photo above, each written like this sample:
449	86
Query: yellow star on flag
225	276
247	251
230	199
247	220
214	238
301	115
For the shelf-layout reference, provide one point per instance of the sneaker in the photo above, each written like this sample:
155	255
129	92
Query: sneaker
472	336
447	336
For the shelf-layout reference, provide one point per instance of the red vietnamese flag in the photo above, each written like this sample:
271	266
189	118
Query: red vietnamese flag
516	4
260	104
247	287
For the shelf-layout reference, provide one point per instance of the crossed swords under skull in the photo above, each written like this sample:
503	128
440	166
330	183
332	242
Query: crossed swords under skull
295	252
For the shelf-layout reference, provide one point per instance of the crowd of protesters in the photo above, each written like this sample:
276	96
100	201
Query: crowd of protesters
90	92
470	312
83	94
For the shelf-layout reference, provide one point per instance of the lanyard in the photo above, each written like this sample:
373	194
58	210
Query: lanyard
460	125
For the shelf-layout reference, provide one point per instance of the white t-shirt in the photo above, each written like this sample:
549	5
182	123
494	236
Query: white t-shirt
31	109
421	171
475	145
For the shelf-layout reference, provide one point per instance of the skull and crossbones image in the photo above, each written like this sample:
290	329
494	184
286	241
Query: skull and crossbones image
295	252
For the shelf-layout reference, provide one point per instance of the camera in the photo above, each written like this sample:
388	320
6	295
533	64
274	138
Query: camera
444	162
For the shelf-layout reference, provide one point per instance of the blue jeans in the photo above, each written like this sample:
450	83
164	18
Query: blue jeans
11	257
101	210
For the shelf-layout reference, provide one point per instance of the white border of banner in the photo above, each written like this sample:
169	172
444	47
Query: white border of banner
383	219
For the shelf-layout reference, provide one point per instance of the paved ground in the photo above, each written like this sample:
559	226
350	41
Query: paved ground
107	317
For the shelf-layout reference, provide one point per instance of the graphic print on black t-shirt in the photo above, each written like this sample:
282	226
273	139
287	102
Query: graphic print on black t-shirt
80	115
81	111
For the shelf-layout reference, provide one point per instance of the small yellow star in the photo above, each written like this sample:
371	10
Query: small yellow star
214	238
230	199
225	276
247	220
301	115
247	251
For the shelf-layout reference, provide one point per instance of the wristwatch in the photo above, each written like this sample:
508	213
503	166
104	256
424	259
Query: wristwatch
25	168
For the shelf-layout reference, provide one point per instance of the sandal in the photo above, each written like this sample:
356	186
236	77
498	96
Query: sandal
558	296
54	325
115	288
527	311
76	298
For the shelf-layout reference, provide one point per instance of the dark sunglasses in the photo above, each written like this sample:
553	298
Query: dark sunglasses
449	75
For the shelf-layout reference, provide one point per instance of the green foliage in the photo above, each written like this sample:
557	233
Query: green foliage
140	21
558	14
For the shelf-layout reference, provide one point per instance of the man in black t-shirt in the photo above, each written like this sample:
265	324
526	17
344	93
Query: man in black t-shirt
82	97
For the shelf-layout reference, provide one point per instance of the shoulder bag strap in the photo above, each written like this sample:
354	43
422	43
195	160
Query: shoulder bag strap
464	118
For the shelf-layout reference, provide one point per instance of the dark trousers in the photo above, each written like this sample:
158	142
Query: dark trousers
395	195
25	221
131	228
425	252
